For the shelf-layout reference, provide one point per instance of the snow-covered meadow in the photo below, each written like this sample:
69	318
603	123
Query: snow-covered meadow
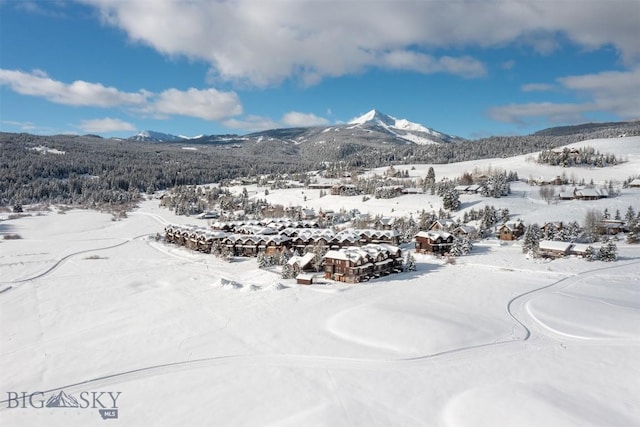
94	305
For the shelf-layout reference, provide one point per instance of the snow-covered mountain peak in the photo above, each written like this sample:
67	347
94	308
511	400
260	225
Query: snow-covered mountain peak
152	136
374	117
403	128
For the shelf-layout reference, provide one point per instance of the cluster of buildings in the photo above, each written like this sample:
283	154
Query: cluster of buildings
357	264
250	240
556	249
584	194
353	256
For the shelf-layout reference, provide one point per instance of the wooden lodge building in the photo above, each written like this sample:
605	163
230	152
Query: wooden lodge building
553	248
511	230
250	239
434	241
358	264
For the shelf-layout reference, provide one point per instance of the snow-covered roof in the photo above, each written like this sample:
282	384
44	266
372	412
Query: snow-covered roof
434	234
566	195
466	229
301	260
554	245
587	192
580	248
444	222
357	253
512	225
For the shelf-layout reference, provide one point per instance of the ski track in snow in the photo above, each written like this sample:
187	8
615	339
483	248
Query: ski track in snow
516	308
58	263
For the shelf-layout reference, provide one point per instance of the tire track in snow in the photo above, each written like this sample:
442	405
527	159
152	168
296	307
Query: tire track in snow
521	299
329	362
12	284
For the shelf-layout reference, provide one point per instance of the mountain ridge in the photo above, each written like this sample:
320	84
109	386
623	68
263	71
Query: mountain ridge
386	128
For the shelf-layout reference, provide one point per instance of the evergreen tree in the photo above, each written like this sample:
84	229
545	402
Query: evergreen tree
410	262
295	270
591	254
461	246
225	254
287	271
284	257
592	222
608	251
262	260
431	176
451	200
630	215
319	250
531	239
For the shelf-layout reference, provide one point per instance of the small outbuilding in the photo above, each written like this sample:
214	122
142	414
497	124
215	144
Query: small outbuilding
304	279
553	248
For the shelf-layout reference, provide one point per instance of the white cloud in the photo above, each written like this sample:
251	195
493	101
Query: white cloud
614	92
253	123
296	119
78	93
265	42
508	65
526	113
25	126
207	104
419	62
537	87
105	125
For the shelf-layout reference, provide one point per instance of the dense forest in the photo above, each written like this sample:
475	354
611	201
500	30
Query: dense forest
95	172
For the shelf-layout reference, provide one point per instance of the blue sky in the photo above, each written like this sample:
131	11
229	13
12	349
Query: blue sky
467	68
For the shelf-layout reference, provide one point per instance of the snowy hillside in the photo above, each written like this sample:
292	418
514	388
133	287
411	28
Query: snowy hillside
93	305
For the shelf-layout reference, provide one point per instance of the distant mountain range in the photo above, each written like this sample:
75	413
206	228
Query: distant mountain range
373	127
152	136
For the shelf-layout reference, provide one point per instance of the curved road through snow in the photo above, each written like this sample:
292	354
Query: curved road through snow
514	308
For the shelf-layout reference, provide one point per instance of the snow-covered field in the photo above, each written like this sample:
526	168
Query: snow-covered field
90	305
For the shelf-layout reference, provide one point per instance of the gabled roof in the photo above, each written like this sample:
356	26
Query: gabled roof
466	229
443	222
512	225
362	253
302	261
581	248
434	234
554	245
